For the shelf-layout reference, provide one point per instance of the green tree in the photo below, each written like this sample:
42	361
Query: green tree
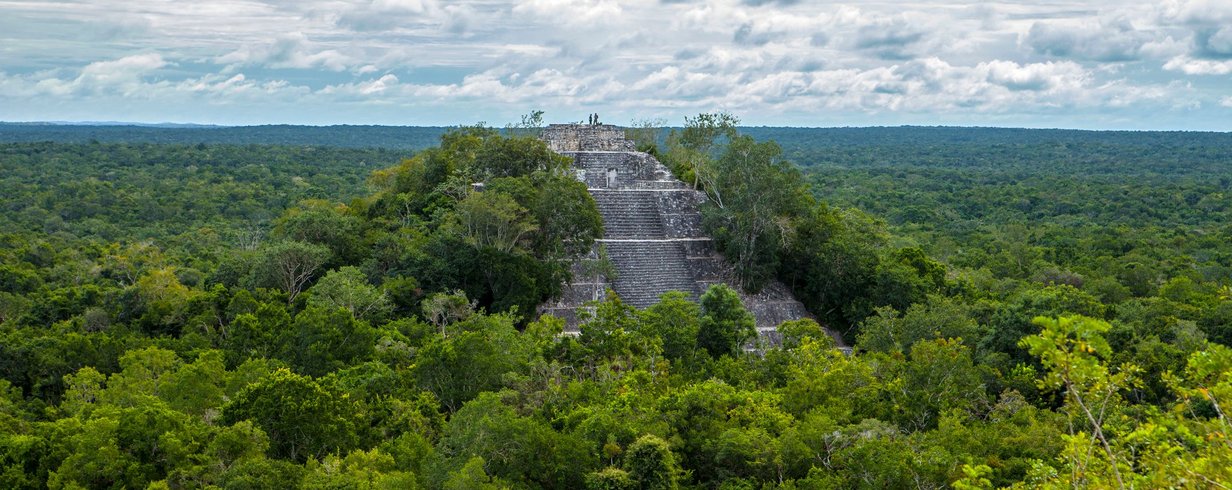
843	247
516	157
610	479
94	458
699	413
261	473
725	325
442	309
939	377
522	450
755	199
692	150
676	320
164	301
145	373
474	358
326	224
651	464
795	331
197	387
255	335
472	476
609	331
84	389
322	340
1070	348
289	266
490	219
568	219
12	307
348	288
303	418
359	470
888	331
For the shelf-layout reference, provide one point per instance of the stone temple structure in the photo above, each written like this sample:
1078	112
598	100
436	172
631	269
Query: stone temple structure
653	239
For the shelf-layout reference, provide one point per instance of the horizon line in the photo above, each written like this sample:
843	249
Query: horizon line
190	125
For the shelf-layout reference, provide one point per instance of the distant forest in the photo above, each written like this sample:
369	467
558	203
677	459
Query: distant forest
801	145
399	137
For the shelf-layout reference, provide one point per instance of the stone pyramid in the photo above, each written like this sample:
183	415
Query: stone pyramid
653	237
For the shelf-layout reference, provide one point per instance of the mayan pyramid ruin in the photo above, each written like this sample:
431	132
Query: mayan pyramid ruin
653	237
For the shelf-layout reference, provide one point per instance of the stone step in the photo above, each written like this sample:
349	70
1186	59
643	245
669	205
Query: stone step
711	268
580	293
659	185
629	214
632	170
647	269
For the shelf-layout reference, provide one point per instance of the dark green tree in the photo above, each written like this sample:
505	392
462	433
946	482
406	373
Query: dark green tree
676	320
725	325
651	464
302	418
475	356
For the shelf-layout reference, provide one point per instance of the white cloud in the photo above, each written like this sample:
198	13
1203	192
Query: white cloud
931	60
1214	42
459	18
569	12
1192	66
1204	25
288	51
890	38
1196	11
1035	76
1114	40
384	15
121	71
386	83
123	76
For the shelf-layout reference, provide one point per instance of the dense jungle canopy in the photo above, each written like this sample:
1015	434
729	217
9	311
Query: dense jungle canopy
338	307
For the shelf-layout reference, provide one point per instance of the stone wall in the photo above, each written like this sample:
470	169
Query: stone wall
586	137
652	233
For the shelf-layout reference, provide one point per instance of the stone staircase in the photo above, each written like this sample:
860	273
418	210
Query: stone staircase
648	268
652	233
629	213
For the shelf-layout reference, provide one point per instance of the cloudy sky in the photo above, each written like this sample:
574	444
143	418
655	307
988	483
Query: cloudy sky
1164	64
